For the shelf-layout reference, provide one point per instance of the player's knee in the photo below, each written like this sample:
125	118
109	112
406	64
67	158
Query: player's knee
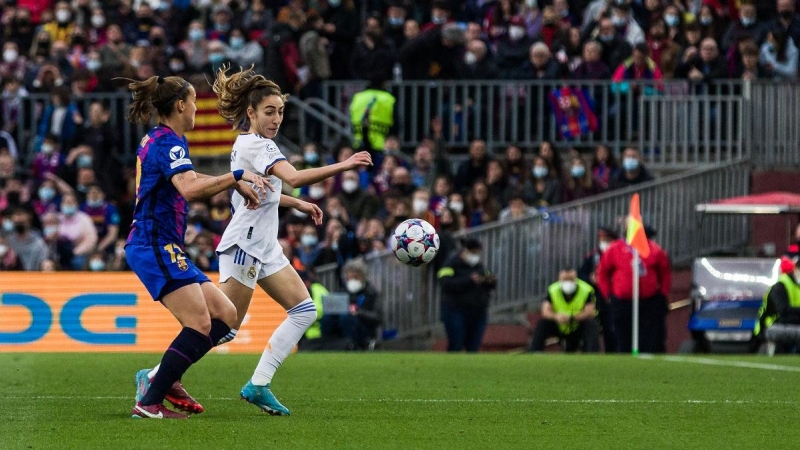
227	313
201	324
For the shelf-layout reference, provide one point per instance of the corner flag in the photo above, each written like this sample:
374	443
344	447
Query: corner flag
636	237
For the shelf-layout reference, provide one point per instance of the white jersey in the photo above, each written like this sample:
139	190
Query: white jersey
254	230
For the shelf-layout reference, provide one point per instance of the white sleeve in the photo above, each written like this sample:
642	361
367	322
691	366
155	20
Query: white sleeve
266	156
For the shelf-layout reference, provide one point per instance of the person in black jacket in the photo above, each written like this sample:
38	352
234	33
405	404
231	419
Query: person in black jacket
466	285
360	325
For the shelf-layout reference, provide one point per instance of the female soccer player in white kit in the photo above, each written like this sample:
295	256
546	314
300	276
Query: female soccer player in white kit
249	250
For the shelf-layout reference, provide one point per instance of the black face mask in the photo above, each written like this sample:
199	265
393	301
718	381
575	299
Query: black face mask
787	15
20	228
158	41
13	198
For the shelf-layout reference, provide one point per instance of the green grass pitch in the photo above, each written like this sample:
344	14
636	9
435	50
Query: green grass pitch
413	401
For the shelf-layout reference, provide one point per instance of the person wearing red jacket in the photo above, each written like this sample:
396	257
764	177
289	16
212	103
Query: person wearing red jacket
615	280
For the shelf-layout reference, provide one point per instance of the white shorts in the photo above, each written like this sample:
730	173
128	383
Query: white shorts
235	263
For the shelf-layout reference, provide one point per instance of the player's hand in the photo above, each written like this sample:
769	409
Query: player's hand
562	318
260	184
359	159
477	278
312	210
252	197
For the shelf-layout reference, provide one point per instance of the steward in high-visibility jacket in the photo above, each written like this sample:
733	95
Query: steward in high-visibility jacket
781	303
372	111
568	313
317	291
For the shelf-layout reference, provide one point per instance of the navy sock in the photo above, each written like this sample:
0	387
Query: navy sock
219	330
188	347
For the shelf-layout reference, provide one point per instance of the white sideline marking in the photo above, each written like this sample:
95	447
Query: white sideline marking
455	400
717	362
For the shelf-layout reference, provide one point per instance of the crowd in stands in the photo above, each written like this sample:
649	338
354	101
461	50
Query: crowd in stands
69	207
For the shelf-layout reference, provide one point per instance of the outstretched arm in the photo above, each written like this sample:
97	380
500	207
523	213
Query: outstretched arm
299	178
287	201
194	186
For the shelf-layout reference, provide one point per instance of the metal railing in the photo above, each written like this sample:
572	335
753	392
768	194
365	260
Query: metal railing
526	254
677	124
773	130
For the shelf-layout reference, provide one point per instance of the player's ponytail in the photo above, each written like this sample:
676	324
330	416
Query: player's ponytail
237	92
155	93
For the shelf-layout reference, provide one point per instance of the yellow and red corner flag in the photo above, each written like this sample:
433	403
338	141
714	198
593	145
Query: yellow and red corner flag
636	237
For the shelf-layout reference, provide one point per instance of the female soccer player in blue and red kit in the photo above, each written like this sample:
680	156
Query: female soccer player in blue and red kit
165	183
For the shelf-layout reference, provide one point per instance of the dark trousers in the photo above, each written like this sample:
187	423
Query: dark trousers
652	324
348	326
586	336
464	328
607	325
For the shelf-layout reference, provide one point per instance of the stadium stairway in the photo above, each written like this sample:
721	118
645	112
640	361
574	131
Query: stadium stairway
513	334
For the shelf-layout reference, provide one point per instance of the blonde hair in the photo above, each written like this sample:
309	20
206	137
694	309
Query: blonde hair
155	93
242	90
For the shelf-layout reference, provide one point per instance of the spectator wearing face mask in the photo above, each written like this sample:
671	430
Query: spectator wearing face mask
787	20
747	26
104	215
441	14
421	207
614	48
62	28
244	51
196	47
579	182
633	171
60	249
359	203
29	246
625	24
605	236
513	47
309	249
478	63
47	198
360	324
49	160
546	187
465	285
568	313
78	228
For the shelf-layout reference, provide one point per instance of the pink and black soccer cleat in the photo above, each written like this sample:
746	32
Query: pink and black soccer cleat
180	399
157	411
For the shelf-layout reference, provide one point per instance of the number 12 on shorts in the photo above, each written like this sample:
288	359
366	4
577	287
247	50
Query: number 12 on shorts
175	253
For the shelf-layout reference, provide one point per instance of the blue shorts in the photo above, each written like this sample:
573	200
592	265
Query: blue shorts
162	269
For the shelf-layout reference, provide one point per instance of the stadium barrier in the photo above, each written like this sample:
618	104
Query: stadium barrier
676	124
527	254
105	312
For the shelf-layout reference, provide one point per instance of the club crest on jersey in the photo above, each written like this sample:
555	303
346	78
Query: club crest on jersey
182	265
176	153
252	272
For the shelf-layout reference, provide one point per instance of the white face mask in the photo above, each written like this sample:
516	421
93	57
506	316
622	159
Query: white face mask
3	250
470	58
62	16
516	33
457	207
98	21
569	287
10	55
472	259
349	186
420	206
354	286
316	192
603	246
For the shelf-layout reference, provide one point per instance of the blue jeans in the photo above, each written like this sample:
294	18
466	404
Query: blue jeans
464	328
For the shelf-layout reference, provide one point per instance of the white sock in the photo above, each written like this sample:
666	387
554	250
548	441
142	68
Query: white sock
283	340
154	371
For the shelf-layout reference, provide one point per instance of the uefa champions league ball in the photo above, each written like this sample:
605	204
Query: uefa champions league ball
415	242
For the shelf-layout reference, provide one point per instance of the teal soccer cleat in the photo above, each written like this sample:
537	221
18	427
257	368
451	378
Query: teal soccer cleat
262	397
142	383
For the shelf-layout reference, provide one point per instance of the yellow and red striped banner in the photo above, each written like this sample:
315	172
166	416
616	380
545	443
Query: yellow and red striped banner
212	135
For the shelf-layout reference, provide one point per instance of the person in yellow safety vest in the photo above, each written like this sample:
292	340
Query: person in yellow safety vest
569	313
317	290
779	317
372	113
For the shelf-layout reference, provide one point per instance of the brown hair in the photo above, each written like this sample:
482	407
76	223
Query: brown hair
239	91
157	93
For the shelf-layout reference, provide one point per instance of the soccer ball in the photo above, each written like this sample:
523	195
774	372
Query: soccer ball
415	242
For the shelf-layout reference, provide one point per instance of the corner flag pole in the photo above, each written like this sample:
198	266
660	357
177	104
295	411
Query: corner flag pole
635	319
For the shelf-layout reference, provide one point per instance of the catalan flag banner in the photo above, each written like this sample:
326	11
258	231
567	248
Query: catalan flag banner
212	135
636	237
